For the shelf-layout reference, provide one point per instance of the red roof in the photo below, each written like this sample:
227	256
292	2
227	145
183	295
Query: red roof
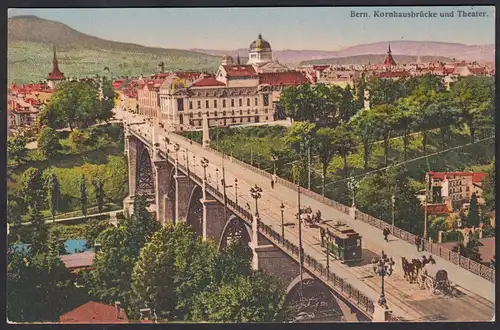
187	75
94	312
389	61
320	67
393	74
283	78
437	209
477	177
207	82
56	75
117	83
477	70
240	70
78	260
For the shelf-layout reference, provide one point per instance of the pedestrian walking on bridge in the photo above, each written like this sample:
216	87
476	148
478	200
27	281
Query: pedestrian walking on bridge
386	233
272	184
418	242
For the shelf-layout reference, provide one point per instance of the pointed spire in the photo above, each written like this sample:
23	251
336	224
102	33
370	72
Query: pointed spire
238	59
389	49
56	74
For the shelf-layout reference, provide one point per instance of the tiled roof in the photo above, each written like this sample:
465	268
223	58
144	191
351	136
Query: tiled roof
389	61
187	74
438	209
240	70
94	312
283	78
78	260
393	74
477	70
477	177
207	82
320	67
117	83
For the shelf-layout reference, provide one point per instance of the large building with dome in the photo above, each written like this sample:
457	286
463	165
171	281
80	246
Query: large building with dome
237	94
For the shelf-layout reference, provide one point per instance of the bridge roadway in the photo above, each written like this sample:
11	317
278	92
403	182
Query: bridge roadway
475	301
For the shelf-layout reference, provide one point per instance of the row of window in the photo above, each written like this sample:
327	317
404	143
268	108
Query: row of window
233	113
233	120
224	104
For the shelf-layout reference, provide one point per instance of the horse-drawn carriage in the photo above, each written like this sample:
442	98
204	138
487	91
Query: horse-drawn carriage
435	280
308	218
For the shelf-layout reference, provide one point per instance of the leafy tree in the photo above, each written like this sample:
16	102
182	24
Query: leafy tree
474	97
16	148
32	187
364	124
444	114
73	103
93	228
53	192
473	215
140	225
77	140
107	100
48	142
348	107
39	232
83	195
386	117
384	91
13	212
345	143
323	144
403	122
99	193
254	298
489	189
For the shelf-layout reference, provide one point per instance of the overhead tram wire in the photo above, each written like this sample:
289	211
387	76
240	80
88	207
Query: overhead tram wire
408	161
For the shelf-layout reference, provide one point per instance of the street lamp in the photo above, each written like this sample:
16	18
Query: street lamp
352	184
383	267
217	177
204	164
194	164
393	200
236	189
274	159
282	207
256	193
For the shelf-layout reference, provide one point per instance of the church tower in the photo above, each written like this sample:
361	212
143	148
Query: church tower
56	75
389	60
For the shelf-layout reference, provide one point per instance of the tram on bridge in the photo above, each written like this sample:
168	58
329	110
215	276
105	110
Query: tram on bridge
342	242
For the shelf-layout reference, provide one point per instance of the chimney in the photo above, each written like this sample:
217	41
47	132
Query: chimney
117	304
145	313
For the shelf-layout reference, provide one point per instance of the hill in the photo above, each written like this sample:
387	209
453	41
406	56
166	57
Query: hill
374	59
29	53
410	48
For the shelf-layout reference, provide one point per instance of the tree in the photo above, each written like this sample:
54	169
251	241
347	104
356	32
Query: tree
73	103
39	232
404	120
53	189
83	195
299	138
255	298
444	115
323	143
107	101
13	212
48	142
77	140
384	91
489	188
345	143
386	118
365	128
16	148
93	228
474	97
473	215
98	184
140	226
32	187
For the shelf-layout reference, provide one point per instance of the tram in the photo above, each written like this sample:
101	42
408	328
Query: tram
342	242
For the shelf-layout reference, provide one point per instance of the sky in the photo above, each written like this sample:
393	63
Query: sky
311	28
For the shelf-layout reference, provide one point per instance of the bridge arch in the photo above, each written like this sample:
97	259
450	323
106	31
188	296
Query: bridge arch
145	175
235	230
194	217
312	302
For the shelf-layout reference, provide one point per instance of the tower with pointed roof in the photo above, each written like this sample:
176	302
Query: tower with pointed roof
56	75
389	60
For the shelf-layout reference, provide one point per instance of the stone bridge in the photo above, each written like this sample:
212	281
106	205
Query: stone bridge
178	192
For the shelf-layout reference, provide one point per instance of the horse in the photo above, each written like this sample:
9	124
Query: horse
408	269
417	265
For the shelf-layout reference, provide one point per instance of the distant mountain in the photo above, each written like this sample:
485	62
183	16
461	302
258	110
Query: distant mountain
374	59
411	48
30	41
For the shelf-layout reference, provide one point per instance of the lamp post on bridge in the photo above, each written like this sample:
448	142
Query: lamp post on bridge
194	164
282	208
393	201
256	193
274	158
352	185
217	178
204	164
236	190
383	267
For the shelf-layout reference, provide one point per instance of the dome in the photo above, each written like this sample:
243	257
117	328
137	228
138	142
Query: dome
260	44
227	58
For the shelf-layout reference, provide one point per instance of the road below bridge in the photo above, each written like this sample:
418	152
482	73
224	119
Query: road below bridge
475	298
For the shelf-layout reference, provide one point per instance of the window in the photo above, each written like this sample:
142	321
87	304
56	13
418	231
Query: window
232	112
215	113
248	102
181	119
199	104
266	118
248	112
234	120
232	102
199	114
266	100
241	112
180	104
215	103
191	116
265	110
224	113
240	102
256	101
207	104
256	111
223	103
190	105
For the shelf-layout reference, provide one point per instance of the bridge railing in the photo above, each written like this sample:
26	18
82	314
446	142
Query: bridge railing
447	254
